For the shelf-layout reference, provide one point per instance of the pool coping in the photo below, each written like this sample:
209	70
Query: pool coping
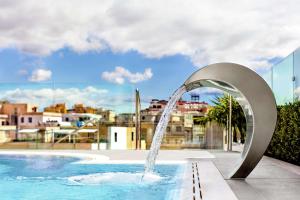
85	158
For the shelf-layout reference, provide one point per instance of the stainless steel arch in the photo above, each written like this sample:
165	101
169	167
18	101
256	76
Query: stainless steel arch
257	101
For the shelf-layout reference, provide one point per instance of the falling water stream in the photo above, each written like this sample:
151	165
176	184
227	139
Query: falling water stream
161	128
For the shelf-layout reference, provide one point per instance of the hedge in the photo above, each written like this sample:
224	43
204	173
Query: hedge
285	143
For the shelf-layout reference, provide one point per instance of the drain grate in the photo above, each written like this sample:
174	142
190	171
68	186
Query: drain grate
197	193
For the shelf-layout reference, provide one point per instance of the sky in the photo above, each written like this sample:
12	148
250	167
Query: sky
97	52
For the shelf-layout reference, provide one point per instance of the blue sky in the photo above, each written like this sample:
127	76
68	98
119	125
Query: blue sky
103	50
71	69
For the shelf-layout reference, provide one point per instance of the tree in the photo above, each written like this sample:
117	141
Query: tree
220	112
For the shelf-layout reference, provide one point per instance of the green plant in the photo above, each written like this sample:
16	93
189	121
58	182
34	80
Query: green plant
285	143
90	140
220	112
102	140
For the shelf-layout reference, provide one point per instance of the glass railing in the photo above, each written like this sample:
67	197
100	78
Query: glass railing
82	116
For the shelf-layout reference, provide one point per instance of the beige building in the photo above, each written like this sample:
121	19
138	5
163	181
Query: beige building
80	108
39	119
3	120
9	119
180	130
13	110
7	133
38	125
121	137
125	119
58	108
107	115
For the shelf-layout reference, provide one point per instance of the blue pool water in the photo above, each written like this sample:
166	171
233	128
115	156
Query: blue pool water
61	178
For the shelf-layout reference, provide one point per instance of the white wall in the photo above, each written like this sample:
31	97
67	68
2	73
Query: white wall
35	120
38	119
121	137
52	118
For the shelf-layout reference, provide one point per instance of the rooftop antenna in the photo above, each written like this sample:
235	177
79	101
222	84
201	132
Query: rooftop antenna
137	118
53	92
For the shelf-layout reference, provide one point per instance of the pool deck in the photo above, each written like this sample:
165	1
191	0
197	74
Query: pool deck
272	179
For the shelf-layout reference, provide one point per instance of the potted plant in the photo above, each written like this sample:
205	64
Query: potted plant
103	144
143	142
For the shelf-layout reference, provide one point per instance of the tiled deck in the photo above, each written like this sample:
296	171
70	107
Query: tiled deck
272	179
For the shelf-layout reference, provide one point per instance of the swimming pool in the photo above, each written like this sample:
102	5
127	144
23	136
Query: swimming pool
59	177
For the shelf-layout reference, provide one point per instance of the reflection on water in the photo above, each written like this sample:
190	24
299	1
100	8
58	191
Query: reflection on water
51	177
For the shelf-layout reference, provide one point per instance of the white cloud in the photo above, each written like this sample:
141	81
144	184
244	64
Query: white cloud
39	75
207	91
297	92
22	72
122	101
90	96
248	32
120	74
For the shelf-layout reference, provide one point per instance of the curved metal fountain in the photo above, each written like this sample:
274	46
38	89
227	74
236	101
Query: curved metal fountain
254	96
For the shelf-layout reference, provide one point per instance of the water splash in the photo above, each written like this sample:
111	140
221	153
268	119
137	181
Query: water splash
161	128
114	178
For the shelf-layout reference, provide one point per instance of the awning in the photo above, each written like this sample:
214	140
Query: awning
70	131
34	130
64	131
7	128
65	124
88	131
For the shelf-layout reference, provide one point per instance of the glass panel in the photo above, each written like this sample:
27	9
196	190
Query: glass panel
268	77
297	73
283	81
110	96
64	115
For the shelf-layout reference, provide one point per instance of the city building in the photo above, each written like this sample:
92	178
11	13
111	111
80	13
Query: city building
13	110
39	119
179	132
3	119
79	119
38	125
80	108
121	137
57	108
9	116
107	115
125	119
7	132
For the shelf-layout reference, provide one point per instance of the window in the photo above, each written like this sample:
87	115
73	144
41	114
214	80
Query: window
30	119
22	119
132	136
67	119
168	129
3	123
178	129
143	118
116	137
